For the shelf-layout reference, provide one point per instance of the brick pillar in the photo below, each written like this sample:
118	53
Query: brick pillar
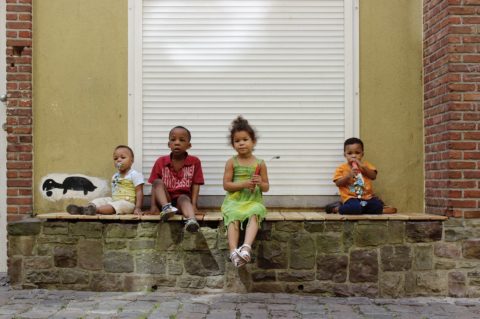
452	107
19	109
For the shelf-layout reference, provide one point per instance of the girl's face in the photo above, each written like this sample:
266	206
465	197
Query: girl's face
243	143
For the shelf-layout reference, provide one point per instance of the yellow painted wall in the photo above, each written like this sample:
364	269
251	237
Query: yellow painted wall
80	88
80	92
391	112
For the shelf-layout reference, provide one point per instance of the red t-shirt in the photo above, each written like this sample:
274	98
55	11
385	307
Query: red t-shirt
180	182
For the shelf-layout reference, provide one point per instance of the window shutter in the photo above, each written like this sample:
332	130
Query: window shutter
280	64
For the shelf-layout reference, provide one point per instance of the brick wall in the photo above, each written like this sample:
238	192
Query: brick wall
452	107
19	109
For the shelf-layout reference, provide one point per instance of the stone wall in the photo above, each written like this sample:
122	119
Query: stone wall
344	258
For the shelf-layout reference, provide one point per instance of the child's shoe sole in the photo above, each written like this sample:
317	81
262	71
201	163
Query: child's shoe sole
75	209
166	215
192	226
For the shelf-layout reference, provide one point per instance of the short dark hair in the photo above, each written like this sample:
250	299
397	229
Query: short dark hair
127	147
352	140
183	128
240	124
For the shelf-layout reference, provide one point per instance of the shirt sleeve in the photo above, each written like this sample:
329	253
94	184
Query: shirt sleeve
339	173
156	171
198	173
137	178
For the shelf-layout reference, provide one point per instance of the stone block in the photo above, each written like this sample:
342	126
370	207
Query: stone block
268	287
147	230
215	282
456	284
426	283
121	231
194	242
348	236
90	254
302	251
329	243
175	263
170	236
147	283
396	232
115	244
392	285
65	256
86	229
150	263
422	232
106	282
21	245
204	263
444	264
471	248
363	266
15	270
142	244
272	255
117	262
423	257
280	236
74	276
50	276
332	267
458	234
192	282
446	250
314	226
55	228
57	239
38	262
290	227
335	227
25	227
314	287
264	275
210	237
370	233
395	258
296	276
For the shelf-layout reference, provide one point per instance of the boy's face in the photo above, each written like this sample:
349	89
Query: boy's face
178	141
122	159
353	151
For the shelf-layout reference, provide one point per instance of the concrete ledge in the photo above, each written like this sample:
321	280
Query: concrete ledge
271	216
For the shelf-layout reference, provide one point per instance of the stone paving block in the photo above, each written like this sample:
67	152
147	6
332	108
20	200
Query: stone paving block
281	314
225	314
186	315
195	308
257	315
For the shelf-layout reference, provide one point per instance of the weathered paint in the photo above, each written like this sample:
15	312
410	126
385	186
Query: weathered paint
391	98
55	187
80	89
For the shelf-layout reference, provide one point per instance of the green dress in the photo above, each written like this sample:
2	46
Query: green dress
243	204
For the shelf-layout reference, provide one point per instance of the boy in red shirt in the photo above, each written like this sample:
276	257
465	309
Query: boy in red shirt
176	180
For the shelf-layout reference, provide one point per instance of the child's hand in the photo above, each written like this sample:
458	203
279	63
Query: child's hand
137	211
356	166
256	179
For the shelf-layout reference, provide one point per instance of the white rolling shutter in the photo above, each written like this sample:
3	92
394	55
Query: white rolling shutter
281	64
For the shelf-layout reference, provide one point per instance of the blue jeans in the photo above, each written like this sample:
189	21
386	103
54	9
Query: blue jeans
353	207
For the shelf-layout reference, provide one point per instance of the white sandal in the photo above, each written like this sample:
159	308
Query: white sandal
245	252
236	259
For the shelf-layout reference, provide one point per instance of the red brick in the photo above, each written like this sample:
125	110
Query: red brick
472	193
463	203
471	175
471	214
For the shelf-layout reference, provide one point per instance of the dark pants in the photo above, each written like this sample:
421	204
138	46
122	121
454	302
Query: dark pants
353	207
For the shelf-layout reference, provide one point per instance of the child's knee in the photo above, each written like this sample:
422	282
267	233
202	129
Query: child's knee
158	183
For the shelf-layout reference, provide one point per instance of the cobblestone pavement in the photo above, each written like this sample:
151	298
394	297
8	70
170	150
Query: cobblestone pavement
41	303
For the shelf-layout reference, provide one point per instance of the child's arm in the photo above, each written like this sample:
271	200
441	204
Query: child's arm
228	183
345	180
262	179
139	200
365	170
195	192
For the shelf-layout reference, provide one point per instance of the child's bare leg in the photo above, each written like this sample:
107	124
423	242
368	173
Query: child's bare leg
251	231
105	210
184	203
233	233
159	196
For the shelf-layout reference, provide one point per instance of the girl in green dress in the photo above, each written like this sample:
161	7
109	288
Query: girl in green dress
245	179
